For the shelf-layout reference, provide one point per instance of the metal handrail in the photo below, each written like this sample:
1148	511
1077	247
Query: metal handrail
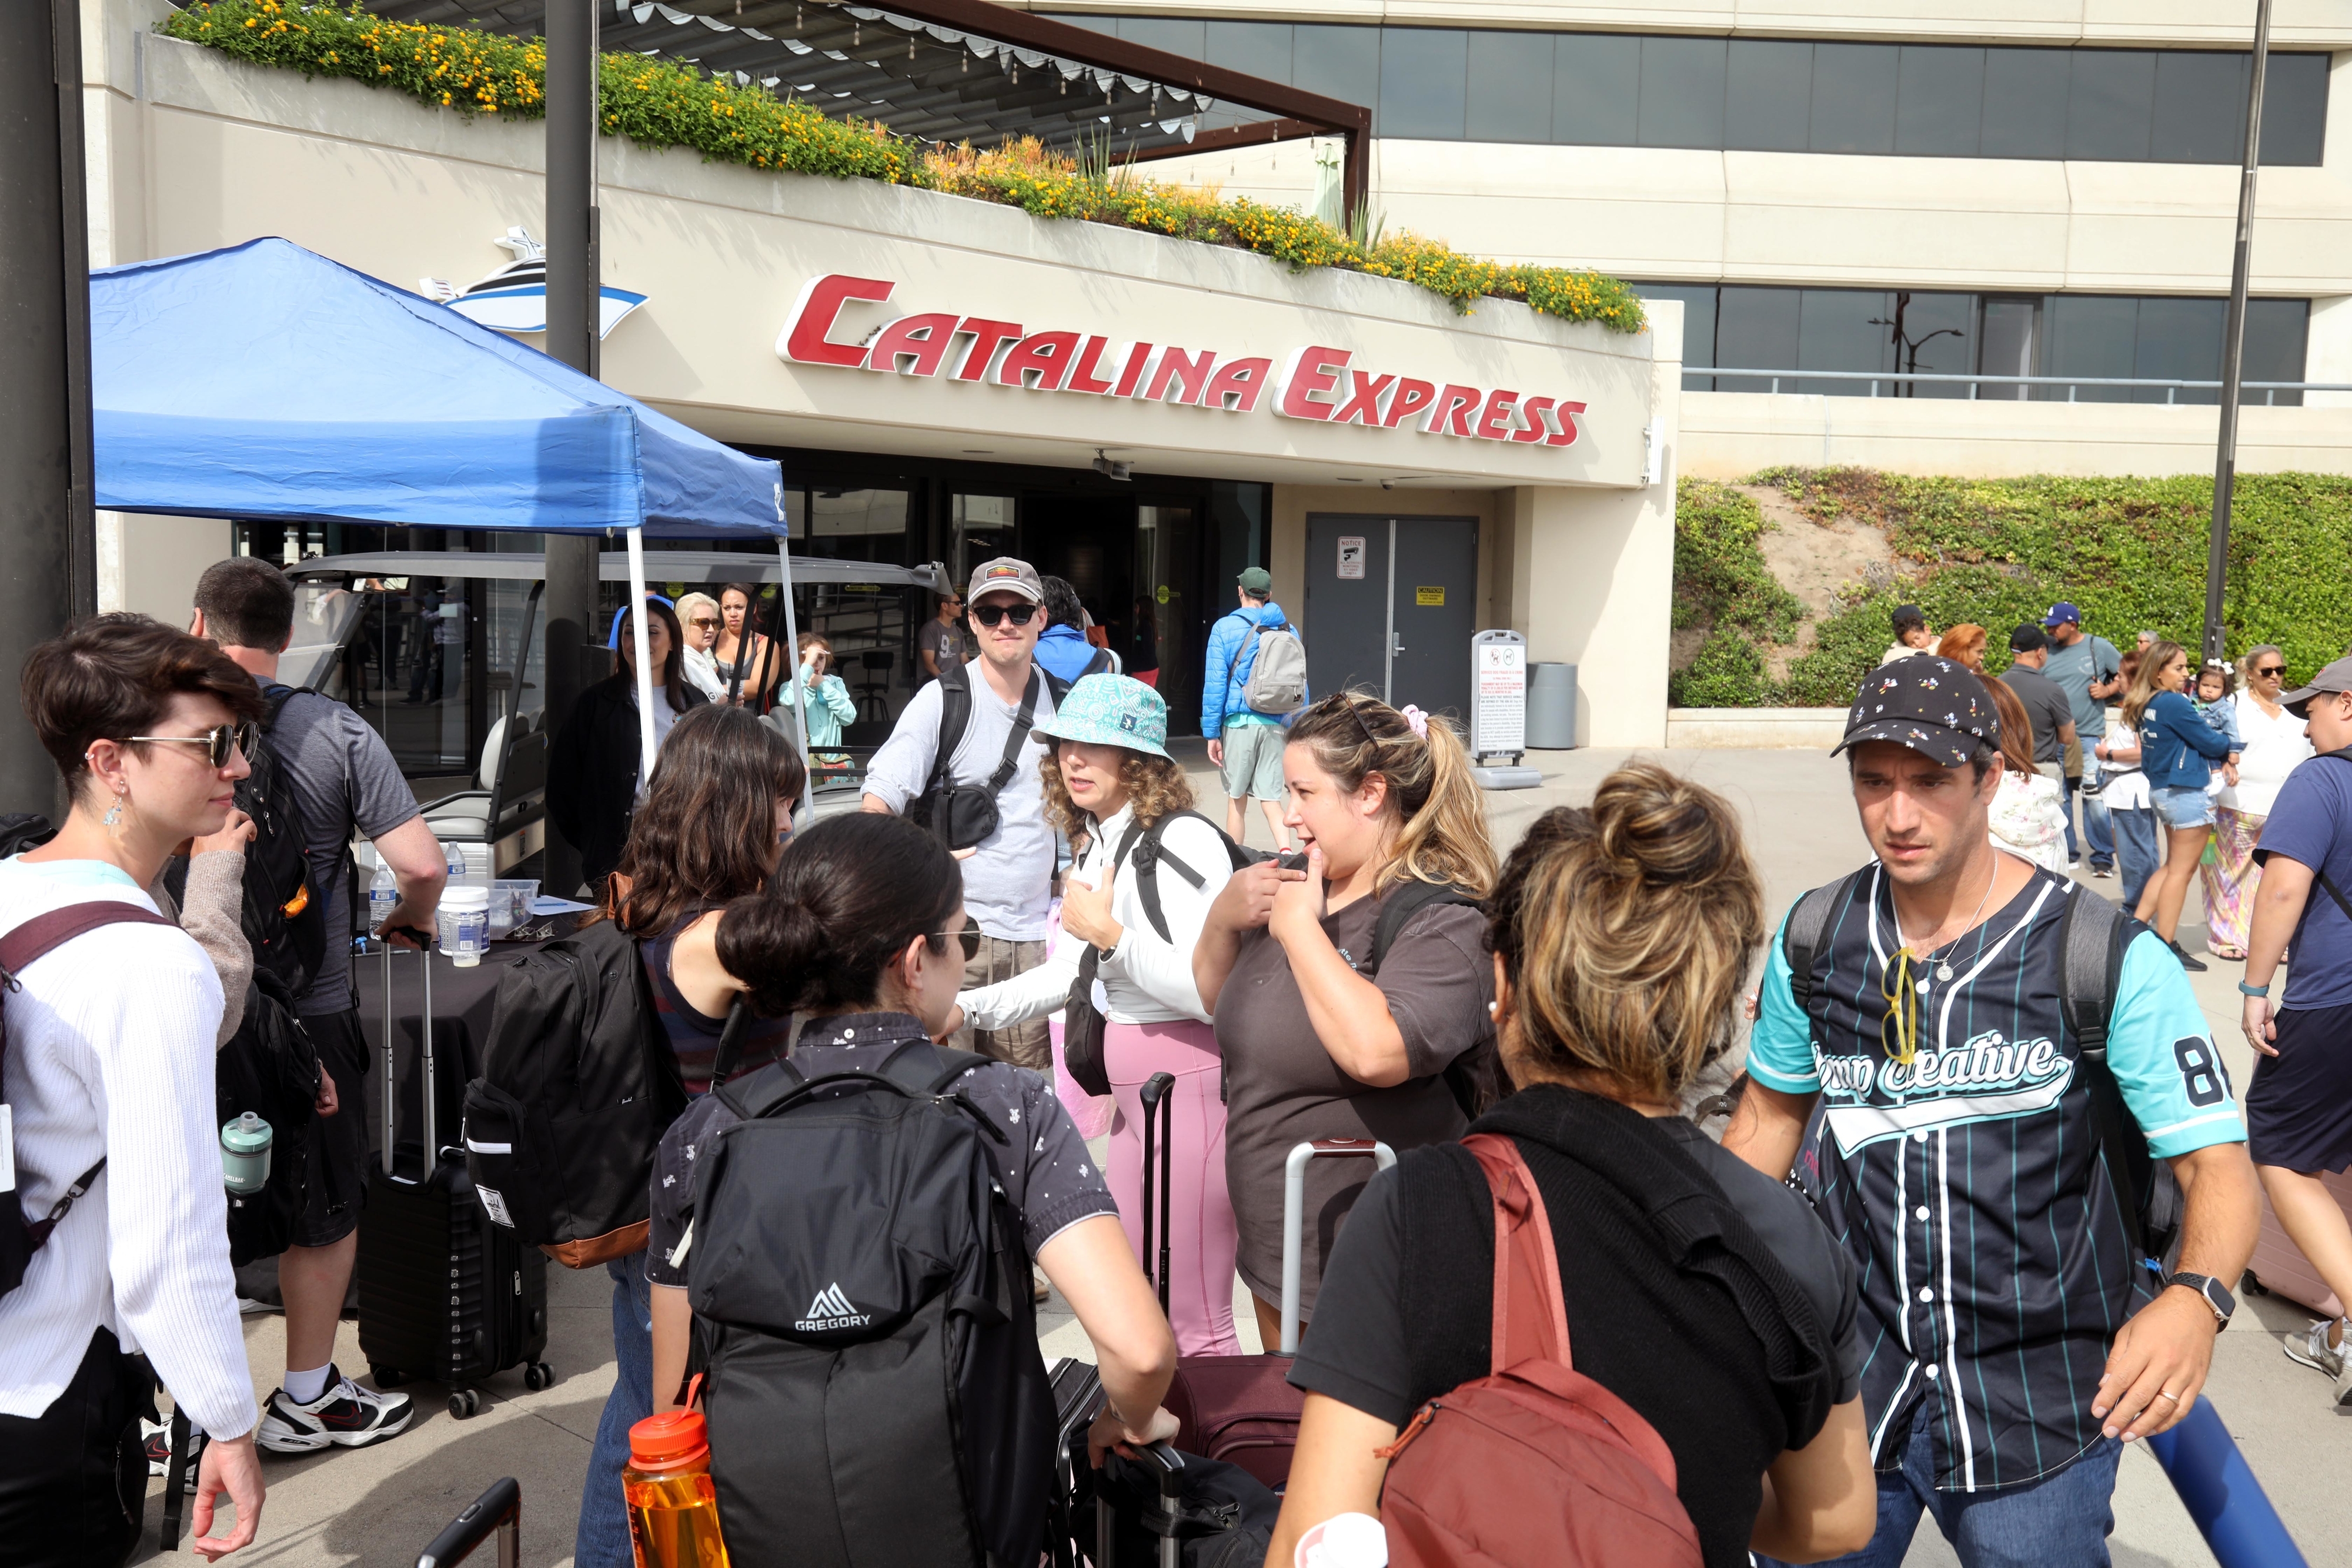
2070	382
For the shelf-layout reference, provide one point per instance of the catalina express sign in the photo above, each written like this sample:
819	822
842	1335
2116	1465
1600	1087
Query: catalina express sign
1315	382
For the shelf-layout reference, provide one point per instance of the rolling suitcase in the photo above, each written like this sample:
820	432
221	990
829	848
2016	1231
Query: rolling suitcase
1238	1409
444	1294
2278	1267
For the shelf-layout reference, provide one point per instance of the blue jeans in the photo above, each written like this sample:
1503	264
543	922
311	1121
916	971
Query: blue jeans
2063	1517
603	1538
2096	837
2135	850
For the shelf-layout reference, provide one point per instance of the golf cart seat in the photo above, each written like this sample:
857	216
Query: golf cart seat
509	812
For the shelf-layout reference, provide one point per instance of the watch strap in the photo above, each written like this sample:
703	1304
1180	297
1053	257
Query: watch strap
2206	1288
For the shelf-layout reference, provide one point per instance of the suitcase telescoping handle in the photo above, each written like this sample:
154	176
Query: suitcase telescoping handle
1158	1106
499	1508
1294	1214
391	1079
1167	1468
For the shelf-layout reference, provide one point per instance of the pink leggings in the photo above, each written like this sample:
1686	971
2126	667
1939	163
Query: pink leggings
1201	1224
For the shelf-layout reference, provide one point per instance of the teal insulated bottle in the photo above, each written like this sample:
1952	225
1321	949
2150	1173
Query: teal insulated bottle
244	1154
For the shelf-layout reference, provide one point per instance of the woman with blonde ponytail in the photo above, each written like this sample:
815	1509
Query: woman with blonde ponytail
1356	991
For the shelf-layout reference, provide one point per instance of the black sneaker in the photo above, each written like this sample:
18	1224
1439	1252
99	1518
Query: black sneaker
345	1415
158	1444
2188	961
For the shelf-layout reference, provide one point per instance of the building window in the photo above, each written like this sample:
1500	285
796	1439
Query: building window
1926	101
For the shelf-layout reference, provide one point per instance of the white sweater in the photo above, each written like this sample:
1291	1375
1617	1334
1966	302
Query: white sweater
110	1052
1145	980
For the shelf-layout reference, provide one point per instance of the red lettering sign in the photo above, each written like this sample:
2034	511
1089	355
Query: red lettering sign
1564	414
1531	419
1138	356
1181	372
807	330
987	336
1307	373
1237	385
1082	377
1045	355
1451	415
1363	404
925	339
1412	397
1495	420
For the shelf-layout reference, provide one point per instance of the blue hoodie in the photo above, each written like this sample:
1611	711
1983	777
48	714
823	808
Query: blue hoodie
1065	651
1232	654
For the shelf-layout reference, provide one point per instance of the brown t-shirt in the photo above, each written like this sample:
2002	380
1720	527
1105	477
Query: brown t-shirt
1283	1088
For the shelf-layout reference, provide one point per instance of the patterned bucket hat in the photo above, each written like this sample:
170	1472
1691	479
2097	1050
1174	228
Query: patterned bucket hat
1111	710
1932	705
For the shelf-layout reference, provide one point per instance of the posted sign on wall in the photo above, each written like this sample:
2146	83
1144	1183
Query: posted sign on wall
1498	723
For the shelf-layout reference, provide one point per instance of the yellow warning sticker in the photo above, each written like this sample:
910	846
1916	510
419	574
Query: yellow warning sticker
1429	595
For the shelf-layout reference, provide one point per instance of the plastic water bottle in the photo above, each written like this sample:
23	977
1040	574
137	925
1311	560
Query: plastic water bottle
673	1507
384	896
453	856
244	1154
1344	1540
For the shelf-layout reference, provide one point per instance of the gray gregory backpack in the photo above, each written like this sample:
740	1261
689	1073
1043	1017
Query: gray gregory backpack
1277	681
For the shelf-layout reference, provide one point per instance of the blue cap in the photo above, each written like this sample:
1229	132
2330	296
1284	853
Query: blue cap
2063	614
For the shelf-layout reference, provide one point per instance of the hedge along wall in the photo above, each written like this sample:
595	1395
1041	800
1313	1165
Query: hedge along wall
667	104
2131	553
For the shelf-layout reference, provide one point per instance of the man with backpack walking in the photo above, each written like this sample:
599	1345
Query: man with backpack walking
2004	1066
962	761
1255	678
325	774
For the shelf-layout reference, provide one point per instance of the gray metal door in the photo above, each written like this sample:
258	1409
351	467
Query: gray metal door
1390	606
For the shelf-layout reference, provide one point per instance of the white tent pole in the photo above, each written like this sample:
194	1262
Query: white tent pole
645	659
793	656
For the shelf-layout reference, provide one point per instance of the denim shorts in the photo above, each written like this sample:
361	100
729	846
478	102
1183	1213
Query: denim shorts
2183	808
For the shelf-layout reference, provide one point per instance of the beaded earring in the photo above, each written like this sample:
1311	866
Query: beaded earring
113	818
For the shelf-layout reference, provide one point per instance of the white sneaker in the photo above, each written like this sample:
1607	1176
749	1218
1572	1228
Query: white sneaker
155	1436
345	1415
2311	1349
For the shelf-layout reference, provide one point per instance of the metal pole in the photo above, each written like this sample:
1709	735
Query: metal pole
638	640
2234	345
48	532
800	688
571	319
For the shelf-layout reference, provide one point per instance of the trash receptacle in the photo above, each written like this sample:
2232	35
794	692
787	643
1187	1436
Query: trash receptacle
1551	707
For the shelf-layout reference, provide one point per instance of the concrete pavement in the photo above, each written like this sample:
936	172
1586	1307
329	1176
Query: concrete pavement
380	1505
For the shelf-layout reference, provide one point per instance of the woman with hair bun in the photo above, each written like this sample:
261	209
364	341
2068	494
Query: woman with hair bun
1703	1295
1325	1030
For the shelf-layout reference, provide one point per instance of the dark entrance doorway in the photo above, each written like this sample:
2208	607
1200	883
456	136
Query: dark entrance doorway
1391	605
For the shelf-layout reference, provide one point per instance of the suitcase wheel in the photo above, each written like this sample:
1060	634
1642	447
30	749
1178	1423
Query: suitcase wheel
2252	1287
464	1401
537	1375
387	1377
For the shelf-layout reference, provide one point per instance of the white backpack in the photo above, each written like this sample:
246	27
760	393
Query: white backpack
1277	681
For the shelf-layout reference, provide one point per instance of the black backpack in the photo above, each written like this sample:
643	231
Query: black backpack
578	1085
1475	1077
862	1311
964	814
270	1068
2093	937
285	916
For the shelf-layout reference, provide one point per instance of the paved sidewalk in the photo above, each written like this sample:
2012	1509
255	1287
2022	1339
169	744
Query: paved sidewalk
380	1505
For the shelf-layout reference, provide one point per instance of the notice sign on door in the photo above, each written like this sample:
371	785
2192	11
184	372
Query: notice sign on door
1425	596
1351	557
1499	716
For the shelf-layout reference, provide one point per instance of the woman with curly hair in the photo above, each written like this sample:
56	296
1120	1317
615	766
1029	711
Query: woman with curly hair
1111	786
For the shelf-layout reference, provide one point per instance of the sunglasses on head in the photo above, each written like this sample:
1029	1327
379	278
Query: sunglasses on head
990	614
218	742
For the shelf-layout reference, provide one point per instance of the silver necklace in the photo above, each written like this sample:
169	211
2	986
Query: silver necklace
1944	969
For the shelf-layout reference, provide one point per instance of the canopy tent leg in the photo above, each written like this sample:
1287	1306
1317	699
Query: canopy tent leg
800	688
644	665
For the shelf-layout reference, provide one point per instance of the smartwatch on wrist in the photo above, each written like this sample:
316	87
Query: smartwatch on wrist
2215	1294
2246	990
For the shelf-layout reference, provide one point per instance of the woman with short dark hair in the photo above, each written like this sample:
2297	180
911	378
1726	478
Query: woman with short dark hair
591	768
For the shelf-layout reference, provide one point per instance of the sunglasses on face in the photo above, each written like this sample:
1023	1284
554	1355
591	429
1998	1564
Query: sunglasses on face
2266	671
970	939
703	625
219	742
990	614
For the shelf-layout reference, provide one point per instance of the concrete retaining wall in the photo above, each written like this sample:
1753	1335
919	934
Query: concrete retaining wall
1755	728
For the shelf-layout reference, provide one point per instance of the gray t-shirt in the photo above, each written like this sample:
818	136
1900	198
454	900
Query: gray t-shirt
2046	705
346	777
2072	670
1007	880
942	640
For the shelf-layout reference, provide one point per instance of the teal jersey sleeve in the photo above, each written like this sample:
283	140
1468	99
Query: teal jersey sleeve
2161	1049
1780	1045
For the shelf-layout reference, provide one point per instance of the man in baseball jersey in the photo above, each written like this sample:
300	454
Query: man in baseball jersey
2013	1342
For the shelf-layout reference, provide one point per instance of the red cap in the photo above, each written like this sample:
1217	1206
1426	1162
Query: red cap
669	1441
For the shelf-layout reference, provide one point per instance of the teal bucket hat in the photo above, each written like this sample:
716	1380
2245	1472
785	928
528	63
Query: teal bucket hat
1111	710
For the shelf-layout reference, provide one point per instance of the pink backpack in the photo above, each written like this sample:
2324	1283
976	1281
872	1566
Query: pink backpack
1534	1463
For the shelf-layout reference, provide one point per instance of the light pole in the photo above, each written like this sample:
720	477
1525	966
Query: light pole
2234	346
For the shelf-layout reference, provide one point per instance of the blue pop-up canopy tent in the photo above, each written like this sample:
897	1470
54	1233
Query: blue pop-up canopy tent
267	384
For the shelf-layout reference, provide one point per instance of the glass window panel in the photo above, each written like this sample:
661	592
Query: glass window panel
1510	87
1767	94
1755	329
1938	336
1939	101
1423	70
1844	330
2025	104
2294	108
2009	342
2090	334
2178	340
1681	92
1173	34
1698	324
1337	62
2200	108
1096	24
1261	49
1596	80
1854	97
2275	347
2110	101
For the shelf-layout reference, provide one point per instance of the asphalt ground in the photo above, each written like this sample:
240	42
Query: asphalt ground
380	1505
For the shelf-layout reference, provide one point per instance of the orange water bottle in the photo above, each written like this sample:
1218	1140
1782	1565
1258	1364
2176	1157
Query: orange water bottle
673	1508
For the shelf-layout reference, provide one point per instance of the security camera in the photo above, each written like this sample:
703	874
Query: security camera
1107	469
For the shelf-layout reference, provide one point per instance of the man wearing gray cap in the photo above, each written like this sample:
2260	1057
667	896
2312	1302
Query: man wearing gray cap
2299	1105
1925	1002
962	760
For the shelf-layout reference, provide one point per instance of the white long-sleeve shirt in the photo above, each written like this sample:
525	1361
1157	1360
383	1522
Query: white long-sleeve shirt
1145	980
111	1053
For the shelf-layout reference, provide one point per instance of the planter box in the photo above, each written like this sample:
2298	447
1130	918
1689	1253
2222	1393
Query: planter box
1755	728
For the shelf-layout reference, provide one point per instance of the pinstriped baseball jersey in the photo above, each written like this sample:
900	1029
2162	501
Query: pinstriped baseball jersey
1967	1186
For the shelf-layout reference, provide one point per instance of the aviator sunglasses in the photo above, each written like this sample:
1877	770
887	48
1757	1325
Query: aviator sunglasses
990	614
219	742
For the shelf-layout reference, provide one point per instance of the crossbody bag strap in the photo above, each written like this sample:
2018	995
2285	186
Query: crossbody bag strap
1022	722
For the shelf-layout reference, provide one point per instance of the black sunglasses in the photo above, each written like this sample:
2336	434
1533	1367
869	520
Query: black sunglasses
218	742
2270	670
970	937
990	614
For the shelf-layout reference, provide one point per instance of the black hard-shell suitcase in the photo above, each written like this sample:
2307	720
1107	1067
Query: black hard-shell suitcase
445	1294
